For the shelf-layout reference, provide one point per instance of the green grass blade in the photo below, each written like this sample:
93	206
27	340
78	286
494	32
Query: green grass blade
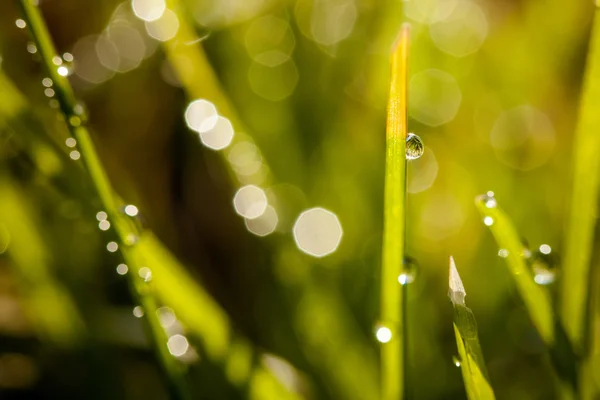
579	235
392	353
536	298
75	118
472	363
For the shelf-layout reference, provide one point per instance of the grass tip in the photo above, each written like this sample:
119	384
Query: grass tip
456	291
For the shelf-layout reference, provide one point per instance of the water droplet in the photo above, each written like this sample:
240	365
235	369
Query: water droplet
63	70
75	155
47	82
145	274
68	57
138	312
131	239
383	334
79	109
71	142
31	48
104	225
49	92
56	60
74	121
503	253
409	271
20	23
489	221
101	215
122	269
543	265
414	147
131	210
456	361
112	247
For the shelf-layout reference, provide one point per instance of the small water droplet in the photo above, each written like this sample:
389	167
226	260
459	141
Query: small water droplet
131	239
487	199
456	361
20	23
47	82
122	269
104	225
145	274
68	57
75	155
503	253
63	70
49	92
79	109
71	142
131	210
112	247
489	221
414	147
101	215
74	121
543	265
56	60
383	333
138	312
31	48
409	271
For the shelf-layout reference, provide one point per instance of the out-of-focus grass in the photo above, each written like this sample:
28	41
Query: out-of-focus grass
471	363
536	297
50	307
583	208
392	313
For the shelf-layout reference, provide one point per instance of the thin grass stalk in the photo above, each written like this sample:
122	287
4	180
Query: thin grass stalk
583	212
392	353
125	230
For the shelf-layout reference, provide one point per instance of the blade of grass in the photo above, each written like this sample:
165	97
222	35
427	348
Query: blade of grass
536	298
579	235
472	364
392	353
75	118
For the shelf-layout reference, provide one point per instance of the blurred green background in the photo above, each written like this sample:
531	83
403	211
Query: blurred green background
493	92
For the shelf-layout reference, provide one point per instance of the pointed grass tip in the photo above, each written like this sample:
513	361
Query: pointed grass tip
456	290
402	37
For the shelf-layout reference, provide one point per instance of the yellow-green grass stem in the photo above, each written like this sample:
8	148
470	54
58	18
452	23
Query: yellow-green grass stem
392	353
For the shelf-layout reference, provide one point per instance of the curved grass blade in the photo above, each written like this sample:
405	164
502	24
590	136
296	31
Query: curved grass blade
579	235
75	118
536	298
472	364
392	353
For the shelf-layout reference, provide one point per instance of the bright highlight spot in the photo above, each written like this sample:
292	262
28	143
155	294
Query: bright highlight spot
148	10
62	70
265	224
317	232
75	155
201	115
138	312
545	249
219	136
20	23
112	247
165	28
101	216
250	201
166	316
178	345
488	221
122	269
383	334
104	225
145	274
131	210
